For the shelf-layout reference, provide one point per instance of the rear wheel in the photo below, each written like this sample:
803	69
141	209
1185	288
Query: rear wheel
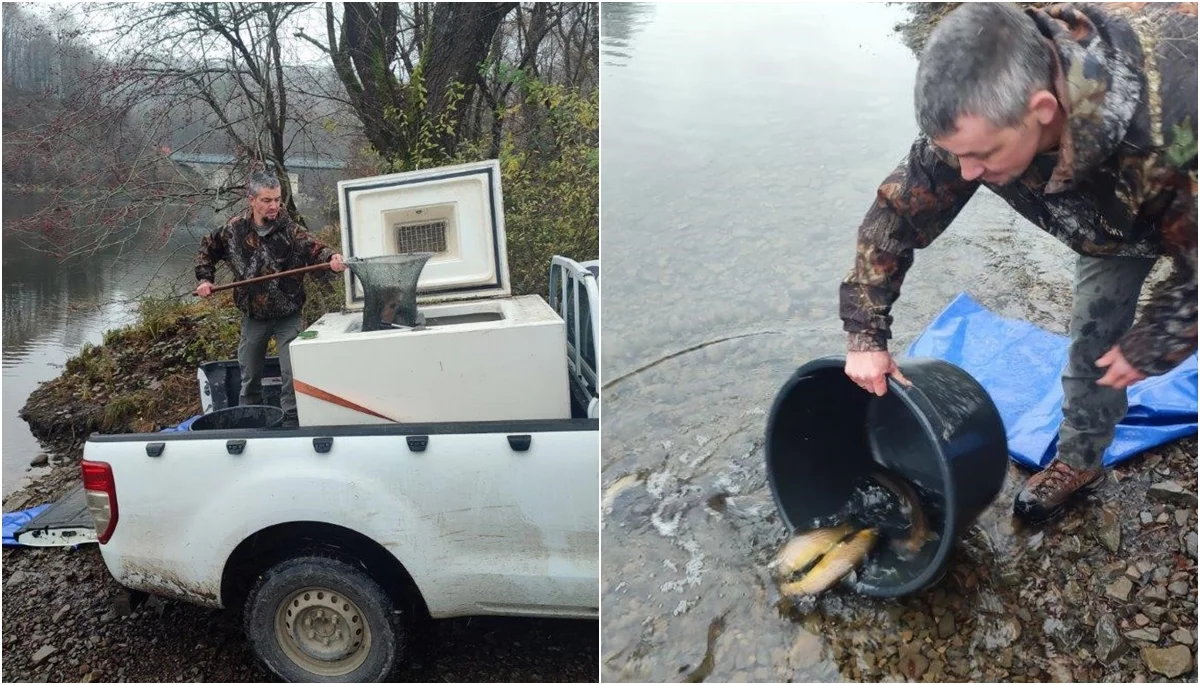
316	619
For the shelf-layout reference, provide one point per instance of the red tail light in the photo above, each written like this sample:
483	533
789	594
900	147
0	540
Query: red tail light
101	492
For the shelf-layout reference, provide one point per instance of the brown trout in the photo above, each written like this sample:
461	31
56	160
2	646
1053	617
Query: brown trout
805	548
835	565
919	532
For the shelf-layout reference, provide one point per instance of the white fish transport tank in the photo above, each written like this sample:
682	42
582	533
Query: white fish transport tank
469	352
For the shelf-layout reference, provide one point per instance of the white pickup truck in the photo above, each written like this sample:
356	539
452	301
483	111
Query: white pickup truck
332	540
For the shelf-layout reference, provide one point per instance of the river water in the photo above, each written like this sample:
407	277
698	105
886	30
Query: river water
52	309
742	145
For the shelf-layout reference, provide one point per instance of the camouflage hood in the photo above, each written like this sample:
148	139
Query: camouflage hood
1099	81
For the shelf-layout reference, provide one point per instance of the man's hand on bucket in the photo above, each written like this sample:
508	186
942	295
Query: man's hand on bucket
1120	374
869	370
336	264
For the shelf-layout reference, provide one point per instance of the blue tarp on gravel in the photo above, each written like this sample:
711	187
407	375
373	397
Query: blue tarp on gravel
1020	365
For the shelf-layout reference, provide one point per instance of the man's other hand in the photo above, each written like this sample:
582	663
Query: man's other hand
869	370
1121	373
336	264
204	289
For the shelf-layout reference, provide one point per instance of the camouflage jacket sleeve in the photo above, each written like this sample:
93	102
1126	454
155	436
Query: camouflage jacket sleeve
213	248
1165	333
310	250
912	207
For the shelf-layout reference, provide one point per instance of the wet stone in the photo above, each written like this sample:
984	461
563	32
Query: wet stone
1141	620
1190	543
1170	491
1144	634
1154	611
1147	518
1109	643
1181	517
1061	633
1109	530
1183	636
1006	659
1155	593
40	655
945	626
1072	546
1120	589
936	669
1171	662
1178	588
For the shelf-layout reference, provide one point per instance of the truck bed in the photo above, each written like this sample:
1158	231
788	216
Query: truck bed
220	385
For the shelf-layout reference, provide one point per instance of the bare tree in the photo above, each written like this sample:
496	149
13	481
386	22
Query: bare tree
420	83
235	68
176	77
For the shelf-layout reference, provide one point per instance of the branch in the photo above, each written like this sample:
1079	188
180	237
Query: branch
320	46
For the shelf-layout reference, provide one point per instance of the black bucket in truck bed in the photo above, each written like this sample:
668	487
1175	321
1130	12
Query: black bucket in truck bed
251	416
221	382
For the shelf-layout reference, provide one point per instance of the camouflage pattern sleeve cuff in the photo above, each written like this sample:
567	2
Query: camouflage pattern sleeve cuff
1149	359
865	341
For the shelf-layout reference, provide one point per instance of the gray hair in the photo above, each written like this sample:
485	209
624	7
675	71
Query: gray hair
983	59
259	181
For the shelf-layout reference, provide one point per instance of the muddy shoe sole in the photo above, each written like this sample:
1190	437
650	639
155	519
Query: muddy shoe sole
1035	514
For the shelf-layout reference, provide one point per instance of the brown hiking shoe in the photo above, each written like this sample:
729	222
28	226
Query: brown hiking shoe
1046	493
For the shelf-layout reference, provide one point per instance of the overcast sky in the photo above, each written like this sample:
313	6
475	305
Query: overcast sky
98	17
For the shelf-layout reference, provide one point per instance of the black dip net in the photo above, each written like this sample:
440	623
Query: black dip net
389	285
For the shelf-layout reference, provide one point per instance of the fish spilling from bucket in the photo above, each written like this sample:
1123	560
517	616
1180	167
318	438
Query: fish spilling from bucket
835	551
814	561
806	548
919	531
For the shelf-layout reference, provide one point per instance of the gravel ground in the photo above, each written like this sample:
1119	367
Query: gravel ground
1105	594
62	624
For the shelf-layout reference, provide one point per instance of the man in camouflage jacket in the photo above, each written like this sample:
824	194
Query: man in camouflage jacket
1082	118
260	241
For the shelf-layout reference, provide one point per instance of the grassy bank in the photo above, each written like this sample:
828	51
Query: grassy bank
143	377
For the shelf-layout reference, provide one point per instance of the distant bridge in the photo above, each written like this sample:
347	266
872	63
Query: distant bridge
216	168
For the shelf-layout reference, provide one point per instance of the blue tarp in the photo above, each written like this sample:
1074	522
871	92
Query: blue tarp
183	427
15	519
1020	366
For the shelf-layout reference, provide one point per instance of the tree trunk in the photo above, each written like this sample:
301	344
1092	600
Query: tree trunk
453	45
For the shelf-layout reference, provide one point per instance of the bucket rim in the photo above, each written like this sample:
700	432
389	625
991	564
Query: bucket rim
934	569
275	413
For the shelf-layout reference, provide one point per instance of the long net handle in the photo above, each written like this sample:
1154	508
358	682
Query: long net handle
268	277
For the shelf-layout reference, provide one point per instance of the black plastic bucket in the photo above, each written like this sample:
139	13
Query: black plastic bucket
944	433
249	416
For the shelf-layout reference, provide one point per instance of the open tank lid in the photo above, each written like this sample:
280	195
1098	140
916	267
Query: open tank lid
455	212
